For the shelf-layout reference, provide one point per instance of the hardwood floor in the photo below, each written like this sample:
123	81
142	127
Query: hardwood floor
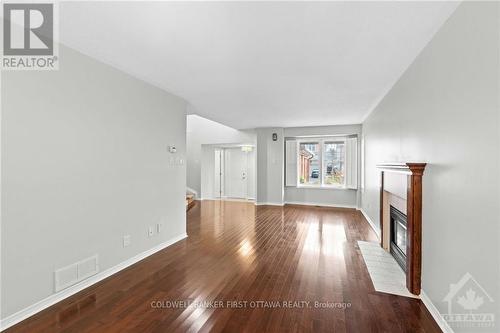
239	252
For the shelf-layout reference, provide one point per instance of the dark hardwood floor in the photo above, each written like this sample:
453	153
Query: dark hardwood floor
239	252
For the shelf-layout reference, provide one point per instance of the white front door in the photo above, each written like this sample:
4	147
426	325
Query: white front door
235	173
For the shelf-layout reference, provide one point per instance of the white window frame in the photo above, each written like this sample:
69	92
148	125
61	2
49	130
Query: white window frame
335	140
321	142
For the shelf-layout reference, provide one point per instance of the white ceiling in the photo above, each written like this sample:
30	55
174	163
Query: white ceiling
259	64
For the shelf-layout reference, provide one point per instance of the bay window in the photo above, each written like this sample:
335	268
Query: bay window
324	162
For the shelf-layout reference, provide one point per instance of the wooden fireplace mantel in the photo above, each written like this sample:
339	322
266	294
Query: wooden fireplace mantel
414	172
409	167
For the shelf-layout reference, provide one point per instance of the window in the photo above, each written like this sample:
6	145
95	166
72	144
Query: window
334	163
322	162
309	163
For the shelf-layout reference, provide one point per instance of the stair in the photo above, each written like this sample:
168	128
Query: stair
190	202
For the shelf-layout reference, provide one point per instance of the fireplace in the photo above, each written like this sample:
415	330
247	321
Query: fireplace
401	224
398	237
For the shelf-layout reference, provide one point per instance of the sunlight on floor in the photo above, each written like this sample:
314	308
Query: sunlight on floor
325	239
246	248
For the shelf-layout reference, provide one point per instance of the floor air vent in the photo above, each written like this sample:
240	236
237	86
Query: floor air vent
74	273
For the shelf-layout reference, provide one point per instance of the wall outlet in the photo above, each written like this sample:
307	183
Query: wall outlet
126	240
158	227
150	231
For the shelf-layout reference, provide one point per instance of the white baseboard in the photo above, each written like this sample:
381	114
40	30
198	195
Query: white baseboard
269	204
228	199
237	199
304	204
195	193
435	313
370	222
59	296
319	204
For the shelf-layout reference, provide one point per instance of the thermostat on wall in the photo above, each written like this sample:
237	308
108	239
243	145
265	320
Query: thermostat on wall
172	149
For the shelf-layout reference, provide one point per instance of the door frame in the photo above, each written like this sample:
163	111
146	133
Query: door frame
222	181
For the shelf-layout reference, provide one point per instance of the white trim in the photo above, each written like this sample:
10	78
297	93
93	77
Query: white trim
250	200
269	204
435	313
291	160
351	162
233	199
209	198
319	204
321	141
323	187
370	222
295	137
63	294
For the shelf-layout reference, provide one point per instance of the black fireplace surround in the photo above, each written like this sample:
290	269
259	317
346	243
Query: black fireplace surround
398	237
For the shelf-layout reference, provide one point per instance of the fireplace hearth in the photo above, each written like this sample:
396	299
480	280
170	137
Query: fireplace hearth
398	237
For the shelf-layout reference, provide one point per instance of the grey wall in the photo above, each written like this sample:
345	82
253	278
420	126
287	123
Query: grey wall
321	196
270	167
445	110
202	131
84	162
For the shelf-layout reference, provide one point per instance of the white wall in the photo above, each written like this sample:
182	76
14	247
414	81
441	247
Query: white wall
445	110
207	163
202	131
84	162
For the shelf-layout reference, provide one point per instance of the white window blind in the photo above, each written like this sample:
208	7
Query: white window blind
291	163
352	162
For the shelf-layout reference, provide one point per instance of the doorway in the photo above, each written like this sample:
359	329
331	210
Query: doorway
234	173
